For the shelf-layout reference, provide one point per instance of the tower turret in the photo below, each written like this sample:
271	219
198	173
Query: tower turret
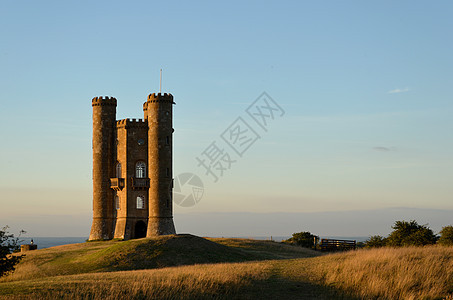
104	126
158	110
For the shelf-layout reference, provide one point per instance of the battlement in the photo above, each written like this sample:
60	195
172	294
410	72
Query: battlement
103	101
159	97
129	123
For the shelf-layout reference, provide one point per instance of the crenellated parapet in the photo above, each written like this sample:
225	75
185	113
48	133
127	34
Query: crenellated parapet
132	123
158	98
103	101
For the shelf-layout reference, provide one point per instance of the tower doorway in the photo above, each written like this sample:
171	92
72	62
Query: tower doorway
140	230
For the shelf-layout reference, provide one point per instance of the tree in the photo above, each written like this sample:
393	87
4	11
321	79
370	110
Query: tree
446	236
410	234
375	241
8	244
304	239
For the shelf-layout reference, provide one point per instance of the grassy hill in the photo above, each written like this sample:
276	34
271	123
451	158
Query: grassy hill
188	267
151	253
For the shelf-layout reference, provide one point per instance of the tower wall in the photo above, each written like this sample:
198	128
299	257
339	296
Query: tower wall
158	110
121	227
132	147
104	131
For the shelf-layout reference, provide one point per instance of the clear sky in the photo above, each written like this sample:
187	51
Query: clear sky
365	87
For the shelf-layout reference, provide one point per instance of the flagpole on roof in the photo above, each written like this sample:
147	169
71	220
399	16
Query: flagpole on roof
160	83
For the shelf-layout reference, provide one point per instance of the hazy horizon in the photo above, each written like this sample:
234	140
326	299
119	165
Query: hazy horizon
353	223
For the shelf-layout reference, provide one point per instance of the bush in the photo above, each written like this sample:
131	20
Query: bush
303	239
375	241
410	234
8	244
446	236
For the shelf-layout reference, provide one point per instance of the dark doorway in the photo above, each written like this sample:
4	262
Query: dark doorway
140	230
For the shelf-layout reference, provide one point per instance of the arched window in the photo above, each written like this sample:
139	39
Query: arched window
140	170
140	202
117	202
118	170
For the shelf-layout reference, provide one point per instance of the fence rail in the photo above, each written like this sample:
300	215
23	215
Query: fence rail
337	245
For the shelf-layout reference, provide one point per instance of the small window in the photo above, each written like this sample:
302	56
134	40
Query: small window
140	202
168	172
168	203
118	170
140	170
117	202
168	140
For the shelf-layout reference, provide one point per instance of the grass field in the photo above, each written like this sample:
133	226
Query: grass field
189	267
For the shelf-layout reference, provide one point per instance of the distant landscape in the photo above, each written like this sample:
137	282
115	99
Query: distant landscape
46	242
349	223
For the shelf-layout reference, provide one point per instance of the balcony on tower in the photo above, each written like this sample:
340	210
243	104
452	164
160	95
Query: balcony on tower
117	183
140	183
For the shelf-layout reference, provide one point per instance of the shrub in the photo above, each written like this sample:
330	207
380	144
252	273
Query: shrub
410	234
304	239
8	244
446	236
375	241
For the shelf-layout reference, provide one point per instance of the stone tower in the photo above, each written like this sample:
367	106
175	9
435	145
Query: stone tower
104	116
132	170
158	110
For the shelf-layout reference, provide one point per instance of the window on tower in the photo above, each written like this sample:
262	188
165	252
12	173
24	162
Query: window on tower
117	202
140	170
118	170
140	202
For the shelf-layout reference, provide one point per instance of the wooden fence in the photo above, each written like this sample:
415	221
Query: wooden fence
337	245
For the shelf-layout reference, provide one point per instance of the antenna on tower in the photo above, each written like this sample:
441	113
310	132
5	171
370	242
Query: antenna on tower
160	83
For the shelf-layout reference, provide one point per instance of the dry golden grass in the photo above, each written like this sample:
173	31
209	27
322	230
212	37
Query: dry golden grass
206	281
252	280
385	273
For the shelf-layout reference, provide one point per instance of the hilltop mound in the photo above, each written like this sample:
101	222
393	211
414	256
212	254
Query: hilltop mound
147	253
173	250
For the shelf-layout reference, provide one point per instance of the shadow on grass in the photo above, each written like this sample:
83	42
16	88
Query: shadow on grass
288	280
284	288
275	287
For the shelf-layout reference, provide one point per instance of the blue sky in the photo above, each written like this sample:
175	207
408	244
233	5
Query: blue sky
366	89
